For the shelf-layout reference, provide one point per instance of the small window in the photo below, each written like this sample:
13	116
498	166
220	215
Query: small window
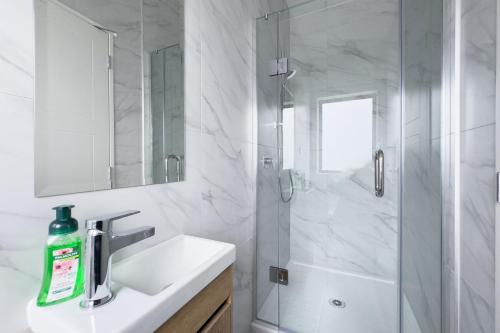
346	132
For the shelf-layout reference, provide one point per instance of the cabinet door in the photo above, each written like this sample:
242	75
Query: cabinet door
201	311
221	321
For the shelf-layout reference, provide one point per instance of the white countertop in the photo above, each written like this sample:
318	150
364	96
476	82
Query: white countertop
195	263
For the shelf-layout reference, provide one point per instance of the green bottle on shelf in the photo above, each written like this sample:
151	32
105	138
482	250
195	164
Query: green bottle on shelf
63	272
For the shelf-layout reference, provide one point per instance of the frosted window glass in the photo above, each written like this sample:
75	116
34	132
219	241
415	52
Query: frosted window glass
288	137
346	134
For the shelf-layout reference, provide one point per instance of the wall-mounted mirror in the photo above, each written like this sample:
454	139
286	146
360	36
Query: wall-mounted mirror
109	94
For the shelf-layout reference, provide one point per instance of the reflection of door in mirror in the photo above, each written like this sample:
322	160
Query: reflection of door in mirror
167	113
73	102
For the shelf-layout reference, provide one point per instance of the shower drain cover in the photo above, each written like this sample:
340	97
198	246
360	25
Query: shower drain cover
337	303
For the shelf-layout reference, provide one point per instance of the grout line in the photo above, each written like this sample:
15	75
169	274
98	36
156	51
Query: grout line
478	127
15	95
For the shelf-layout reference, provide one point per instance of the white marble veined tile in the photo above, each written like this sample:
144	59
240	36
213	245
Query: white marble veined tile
228	210
227	70
163	24
228	192
16	54
477	229
478	63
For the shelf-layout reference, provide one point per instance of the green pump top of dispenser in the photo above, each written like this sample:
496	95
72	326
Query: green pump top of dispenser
64	223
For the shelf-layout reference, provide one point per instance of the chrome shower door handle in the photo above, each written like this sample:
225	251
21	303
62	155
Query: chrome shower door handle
379	173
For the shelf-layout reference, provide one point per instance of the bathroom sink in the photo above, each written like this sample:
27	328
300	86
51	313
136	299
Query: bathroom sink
149	288
154	270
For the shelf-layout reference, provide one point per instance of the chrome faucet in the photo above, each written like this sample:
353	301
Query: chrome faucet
100	245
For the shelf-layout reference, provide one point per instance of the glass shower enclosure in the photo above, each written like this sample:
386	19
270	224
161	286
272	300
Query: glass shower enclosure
330	174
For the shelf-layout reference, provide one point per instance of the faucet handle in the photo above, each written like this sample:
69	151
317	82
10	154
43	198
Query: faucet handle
105	223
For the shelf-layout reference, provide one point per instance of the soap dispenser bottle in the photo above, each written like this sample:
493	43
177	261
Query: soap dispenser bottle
63	272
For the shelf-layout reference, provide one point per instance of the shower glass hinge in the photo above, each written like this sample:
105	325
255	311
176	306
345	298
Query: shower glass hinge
278	66
278	275
267	162
110	62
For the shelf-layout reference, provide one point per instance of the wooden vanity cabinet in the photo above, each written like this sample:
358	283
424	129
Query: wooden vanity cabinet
210	311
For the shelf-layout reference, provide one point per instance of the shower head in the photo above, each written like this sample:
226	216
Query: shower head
291	74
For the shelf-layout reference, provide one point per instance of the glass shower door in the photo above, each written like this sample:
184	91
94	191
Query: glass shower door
347	241
339	108
268	247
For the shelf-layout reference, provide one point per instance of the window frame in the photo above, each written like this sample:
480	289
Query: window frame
336	99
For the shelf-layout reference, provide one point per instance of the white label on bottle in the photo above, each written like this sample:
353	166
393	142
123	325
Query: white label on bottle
64	273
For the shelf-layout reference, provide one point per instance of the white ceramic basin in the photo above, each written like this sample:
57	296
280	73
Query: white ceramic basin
150	287
154	270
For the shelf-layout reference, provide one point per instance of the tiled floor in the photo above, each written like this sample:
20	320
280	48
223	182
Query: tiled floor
371	305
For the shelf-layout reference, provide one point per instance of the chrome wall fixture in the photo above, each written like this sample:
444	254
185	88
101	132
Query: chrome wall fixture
280	68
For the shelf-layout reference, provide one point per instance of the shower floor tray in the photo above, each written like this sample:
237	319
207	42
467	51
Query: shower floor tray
306	304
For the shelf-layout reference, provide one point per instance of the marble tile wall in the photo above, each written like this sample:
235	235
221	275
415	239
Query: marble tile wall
468	177
478	169
469	168
477	166
477	242
216	200
228	69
